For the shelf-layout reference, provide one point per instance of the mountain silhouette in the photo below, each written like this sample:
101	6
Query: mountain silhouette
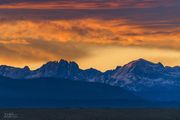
152	81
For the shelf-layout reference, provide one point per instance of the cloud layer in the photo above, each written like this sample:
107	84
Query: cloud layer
91	31
86	4
42	30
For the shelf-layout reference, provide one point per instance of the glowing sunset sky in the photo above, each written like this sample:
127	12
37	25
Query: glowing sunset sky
95	33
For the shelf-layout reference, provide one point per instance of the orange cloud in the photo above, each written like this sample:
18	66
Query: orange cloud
32	42
60	5
91	31
80	4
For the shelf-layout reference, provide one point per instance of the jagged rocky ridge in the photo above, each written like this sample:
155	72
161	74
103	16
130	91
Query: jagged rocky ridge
141	71
138	75
54	69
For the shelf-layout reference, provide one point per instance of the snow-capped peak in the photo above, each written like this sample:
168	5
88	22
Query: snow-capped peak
138	72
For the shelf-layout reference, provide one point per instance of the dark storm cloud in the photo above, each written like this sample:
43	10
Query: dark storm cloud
165	14
147	17
22	1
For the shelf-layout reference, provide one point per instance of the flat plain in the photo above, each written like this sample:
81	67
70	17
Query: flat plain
90	114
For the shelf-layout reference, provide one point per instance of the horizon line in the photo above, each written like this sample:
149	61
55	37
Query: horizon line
71	61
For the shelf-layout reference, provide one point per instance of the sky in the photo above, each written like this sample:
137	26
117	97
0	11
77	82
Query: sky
95	33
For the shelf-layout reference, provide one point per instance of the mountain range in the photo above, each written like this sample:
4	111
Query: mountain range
142	78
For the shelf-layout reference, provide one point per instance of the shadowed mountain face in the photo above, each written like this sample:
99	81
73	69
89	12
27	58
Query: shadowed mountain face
56	69
153	81
52	92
